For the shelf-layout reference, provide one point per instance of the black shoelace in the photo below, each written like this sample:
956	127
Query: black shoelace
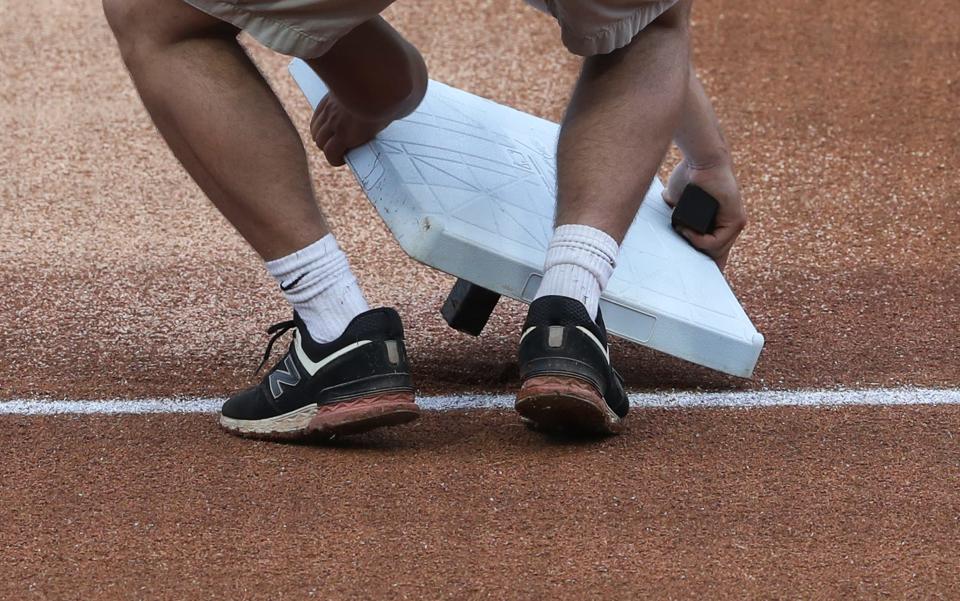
277	330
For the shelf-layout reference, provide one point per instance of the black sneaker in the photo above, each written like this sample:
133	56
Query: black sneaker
567	381
355	383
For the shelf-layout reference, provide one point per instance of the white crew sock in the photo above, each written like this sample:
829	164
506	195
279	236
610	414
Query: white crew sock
318	282
580	261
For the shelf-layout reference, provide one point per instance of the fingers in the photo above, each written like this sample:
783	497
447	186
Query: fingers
319	119
708	244
327	141
322	132
713	244
704	242
679	178
668	198
717	244
323	135
334	150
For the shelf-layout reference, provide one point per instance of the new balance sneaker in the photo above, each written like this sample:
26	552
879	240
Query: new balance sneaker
353	384
568	383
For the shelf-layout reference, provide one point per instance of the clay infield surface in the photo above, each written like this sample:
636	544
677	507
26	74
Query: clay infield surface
122	290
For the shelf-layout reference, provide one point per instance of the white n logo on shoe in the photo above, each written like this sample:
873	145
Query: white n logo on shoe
289	376
312	366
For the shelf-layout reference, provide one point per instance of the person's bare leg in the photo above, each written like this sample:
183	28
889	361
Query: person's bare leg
221	120
707	163
229	130
623	114
226	126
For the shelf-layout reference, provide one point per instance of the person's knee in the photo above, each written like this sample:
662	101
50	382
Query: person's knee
670	27
135	26
676	18
144	26
126	18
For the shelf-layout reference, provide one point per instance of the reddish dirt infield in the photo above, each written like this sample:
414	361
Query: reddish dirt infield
843	121
117	280
791	503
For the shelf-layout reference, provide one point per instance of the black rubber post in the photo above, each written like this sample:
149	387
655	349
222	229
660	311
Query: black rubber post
696	210
468	307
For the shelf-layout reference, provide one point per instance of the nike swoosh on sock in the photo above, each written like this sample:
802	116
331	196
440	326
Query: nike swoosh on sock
286	287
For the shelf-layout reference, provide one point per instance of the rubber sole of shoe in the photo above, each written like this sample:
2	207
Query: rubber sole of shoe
327	421
565	405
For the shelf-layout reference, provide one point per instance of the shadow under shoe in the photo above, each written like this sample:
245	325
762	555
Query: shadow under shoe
353	384
567	382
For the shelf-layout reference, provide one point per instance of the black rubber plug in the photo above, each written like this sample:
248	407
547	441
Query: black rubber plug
696	210
468	307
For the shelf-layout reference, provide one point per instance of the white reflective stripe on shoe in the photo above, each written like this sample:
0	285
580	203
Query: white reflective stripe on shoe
313	367
603	349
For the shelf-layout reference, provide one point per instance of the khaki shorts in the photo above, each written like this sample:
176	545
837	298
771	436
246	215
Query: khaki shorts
301	28
590	27
308	28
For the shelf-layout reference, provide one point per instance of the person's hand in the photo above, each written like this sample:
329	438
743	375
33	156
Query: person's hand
720	182
336	130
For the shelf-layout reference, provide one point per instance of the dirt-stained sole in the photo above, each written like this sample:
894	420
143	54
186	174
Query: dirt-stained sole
363	415
327	421
565	405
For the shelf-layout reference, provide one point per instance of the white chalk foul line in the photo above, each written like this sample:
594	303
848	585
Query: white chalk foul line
676	400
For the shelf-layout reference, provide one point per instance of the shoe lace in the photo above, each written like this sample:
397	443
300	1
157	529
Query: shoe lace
276	330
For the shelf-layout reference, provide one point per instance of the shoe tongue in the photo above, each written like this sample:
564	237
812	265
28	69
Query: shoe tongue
311	347
301	325
315	349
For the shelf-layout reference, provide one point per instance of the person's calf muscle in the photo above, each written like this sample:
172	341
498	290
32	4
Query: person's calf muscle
609	148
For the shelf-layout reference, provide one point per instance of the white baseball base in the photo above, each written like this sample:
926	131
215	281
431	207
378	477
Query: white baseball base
468	186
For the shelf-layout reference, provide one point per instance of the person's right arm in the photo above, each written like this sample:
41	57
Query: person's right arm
708	164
